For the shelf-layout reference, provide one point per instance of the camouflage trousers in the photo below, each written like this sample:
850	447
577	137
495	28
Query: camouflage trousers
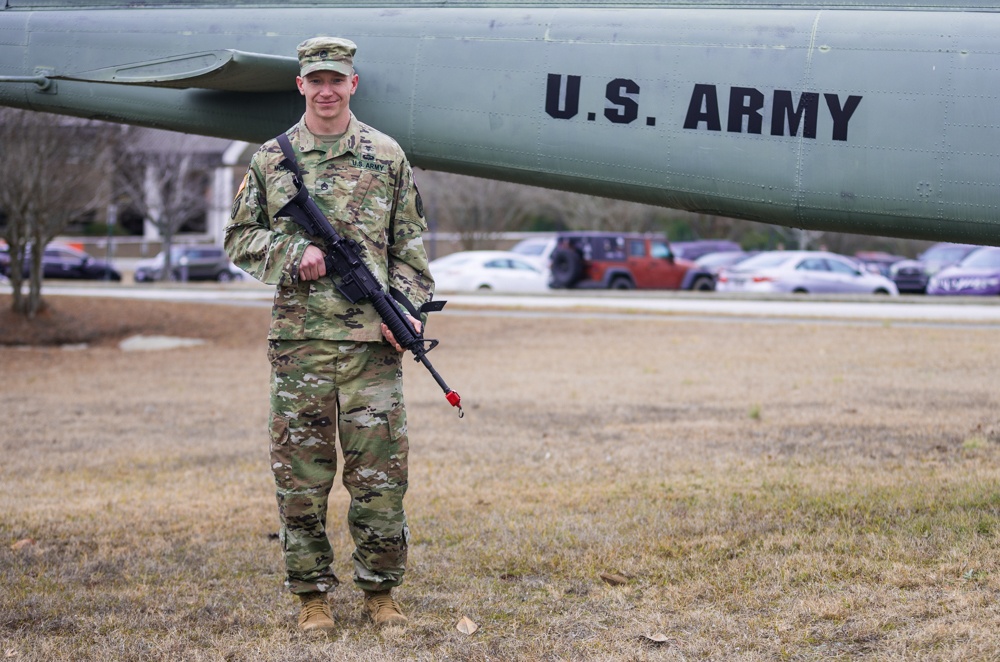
320	387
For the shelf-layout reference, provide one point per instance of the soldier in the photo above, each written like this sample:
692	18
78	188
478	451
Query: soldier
335	367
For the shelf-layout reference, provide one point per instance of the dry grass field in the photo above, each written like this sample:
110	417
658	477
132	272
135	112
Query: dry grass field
737	491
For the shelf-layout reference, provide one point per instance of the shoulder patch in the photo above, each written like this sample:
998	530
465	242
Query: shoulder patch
239	194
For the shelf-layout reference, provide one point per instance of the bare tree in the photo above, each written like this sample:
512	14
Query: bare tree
478	209
52	171
800	238
589	212
163	181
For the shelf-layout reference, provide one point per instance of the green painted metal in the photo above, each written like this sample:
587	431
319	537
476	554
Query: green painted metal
866	120
226	70
960	5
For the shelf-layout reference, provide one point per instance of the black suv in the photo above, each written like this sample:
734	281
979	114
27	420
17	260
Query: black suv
911	276
61	261
616	260
692	250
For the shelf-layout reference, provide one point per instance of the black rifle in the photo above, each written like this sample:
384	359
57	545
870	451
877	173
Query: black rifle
357	282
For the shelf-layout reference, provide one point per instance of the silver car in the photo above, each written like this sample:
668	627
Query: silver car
813	272
188	263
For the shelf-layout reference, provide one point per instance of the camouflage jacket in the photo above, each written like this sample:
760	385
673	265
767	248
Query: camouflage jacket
365	187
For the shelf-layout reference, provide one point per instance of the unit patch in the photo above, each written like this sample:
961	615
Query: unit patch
239	194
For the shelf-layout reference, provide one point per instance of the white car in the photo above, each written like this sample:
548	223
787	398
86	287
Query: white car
805	272
500	271
537	250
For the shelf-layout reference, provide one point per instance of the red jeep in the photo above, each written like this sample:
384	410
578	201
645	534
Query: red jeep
616	260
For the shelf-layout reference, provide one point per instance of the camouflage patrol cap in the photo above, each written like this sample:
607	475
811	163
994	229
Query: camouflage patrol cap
329	53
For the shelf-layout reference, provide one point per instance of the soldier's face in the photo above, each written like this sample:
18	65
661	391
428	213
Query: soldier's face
328	96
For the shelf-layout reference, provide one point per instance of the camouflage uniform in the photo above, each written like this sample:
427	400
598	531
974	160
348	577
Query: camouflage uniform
331	369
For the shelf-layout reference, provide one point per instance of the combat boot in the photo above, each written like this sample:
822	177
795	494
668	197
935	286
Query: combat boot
382	609
315	614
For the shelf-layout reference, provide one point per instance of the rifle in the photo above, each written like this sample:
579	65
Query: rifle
357	282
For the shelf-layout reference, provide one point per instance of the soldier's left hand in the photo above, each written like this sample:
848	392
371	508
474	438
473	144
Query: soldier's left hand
387	334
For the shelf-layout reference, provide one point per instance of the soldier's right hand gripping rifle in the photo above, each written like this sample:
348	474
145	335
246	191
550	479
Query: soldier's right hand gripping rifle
356	281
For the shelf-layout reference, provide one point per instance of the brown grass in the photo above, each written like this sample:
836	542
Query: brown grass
768	491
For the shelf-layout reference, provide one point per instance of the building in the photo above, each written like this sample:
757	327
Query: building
193	178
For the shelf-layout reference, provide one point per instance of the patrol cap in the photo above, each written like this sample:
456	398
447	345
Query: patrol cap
329	53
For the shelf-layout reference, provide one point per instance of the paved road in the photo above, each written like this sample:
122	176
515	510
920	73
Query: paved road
916	309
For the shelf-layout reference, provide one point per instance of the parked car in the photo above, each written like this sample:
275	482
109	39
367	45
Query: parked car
188	263
537	250
501	271
913	275
616	260
703	275
692	250
977	274
877	262
62	261
804	272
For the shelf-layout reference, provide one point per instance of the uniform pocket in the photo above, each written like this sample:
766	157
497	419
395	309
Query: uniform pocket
281	459
358	203
376	456
279	430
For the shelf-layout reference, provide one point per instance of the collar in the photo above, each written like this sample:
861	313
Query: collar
348	143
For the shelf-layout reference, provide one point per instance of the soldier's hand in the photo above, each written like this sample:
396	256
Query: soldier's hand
387	334
313	264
